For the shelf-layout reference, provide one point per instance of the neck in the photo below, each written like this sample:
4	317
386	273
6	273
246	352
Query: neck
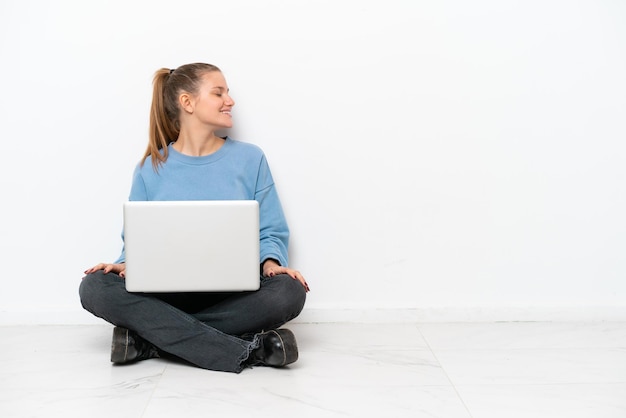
197	145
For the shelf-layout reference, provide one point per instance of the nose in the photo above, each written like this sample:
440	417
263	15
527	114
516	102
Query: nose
229	101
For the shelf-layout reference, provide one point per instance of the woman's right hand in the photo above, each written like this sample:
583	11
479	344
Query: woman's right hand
119	269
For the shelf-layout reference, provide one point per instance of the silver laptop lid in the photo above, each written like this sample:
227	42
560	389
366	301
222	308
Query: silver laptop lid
191	246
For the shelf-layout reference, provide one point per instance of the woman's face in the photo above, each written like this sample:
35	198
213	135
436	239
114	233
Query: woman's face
212	103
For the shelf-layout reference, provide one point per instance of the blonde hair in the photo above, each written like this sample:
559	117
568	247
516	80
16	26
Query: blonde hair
164	113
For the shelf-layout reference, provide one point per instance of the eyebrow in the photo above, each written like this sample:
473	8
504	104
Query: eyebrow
220	88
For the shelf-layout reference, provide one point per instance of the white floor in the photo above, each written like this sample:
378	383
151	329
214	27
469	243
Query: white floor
478	370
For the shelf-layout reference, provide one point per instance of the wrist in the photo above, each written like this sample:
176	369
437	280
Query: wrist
268	263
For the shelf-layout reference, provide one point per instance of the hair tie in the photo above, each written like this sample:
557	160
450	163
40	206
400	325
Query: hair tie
172	70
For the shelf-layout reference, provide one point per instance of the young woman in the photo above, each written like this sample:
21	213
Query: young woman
186	160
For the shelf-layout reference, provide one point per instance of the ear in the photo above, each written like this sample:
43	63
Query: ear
186	102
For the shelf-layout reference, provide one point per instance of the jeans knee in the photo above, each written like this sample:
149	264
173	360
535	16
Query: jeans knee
87	291
294	294
93	290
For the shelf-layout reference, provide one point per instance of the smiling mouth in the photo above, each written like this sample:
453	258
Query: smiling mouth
226	112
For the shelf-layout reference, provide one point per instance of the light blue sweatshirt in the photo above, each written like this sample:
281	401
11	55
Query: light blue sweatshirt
237	171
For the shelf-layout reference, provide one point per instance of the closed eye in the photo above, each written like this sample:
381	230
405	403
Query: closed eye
219	91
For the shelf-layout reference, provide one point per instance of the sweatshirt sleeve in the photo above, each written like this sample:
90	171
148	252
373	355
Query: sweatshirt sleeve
274	232
137	192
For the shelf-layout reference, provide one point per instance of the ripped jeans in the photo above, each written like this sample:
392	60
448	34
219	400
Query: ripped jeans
204	329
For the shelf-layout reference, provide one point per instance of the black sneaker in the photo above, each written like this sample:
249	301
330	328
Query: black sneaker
277	348
128	347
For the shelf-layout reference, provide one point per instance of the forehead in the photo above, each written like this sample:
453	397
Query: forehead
214	79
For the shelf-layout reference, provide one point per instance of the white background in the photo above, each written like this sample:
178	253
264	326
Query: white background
430	155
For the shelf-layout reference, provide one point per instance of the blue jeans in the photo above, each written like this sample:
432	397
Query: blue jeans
205	329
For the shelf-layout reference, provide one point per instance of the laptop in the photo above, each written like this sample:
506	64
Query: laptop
192	246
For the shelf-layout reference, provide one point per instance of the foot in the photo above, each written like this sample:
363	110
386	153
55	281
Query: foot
128	347
277	348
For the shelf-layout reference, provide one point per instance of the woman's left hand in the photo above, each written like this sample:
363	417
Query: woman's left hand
272	268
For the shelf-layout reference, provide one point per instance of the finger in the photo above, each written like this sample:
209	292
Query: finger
304	283
95	268
302	280
297	276
290	272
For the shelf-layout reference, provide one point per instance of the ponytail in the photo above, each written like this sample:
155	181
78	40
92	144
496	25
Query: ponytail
162	130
